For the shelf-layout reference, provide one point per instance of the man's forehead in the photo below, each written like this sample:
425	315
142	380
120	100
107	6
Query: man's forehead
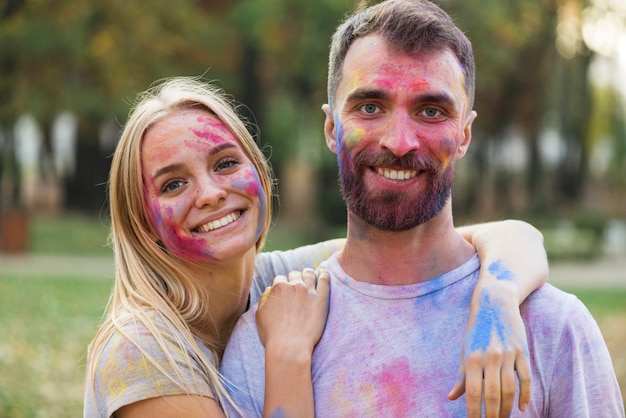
382	67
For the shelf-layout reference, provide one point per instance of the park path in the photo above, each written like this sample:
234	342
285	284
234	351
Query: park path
605	272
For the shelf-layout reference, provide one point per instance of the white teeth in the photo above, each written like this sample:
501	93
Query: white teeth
219	223
397	174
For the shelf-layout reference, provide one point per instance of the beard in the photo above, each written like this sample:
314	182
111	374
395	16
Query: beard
391	210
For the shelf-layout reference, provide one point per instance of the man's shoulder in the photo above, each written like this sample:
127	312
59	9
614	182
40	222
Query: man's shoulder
550	299
554	309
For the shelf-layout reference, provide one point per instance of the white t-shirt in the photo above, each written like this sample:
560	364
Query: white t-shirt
394	351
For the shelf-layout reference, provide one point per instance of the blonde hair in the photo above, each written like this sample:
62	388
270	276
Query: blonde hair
149	280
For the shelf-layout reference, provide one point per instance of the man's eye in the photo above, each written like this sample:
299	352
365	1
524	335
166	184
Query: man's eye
431	112
369	108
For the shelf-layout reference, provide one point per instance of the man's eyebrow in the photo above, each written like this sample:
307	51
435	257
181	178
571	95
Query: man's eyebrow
442	99
366	94
436	98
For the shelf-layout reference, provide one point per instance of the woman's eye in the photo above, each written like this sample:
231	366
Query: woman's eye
369	108
171	186
227	163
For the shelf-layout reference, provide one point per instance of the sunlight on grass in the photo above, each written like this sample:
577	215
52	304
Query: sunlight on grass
69	234
47	321
46	325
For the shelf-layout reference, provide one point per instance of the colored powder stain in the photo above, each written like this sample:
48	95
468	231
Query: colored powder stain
487	321
214	124
214	130
338	133
498	269
343	160
447	151
278	413
251	185
393	77
187	248
395	387
354	137
201	146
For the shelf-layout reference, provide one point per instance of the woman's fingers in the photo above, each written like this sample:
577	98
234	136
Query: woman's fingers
522	366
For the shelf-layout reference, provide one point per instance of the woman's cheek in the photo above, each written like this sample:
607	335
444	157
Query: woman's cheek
250	184
163	220
169	232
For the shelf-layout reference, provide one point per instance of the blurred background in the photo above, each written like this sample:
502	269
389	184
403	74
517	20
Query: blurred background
549	147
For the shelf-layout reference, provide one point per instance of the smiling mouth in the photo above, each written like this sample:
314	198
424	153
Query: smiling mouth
396	174
219	223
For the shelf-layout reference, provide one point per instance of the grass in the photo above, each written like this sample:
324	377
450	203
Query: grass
602	302
69	234
47	322
46	325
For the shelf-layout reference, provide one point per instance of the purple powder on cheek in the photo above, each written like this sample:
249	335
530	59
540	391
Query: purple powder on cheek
251	185
447	145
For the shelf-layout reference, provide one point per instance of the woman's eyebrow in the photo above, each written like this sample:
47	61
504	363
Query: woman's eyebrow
179	166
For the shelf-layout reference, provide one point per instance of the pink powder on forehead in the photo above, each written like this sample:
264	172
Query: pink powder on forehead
214	124
213	130
392	76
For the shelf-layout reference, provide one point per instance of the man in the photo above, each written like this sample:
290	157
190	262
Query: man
400	88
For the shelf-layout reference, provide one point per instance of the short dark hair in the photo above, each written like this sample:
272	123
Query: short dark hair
409	26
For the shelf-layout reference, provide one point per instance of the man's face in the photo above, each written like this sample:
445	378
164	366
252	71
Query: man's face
398	126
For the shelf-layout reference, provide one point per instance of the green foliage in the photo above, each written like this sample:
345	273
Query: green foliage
92	58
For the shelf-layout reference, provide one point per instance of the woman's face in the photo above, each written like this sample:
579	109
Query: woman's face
203	194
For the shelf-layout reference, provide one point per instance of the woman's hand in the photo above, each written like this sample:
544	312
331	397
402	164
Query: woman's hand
494	348
291	318
513	265
292	313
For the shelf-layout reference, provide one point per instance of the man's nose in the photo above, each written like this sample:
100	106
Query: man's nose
400	135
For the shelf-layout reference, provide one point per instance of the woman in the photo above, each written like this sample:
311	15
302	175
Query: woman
190	196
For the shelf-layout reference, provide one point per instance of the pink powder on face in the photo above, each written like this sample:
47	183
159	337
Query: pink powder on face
250	183
392	77
168	229
214	130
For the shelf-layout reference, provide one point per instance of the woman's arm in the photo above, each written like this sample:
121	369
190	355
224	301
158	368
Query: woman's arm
172	407
291	318
513	265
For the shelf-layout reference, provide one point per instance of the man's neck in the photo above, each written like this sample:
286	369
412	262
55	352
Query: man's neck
400	258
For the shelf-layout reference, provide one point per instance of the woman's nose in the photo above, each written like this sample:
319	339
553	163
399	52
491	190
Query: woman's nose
209	192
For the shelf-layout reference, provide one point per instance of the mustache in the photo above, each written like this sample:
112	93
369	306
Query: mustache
409	161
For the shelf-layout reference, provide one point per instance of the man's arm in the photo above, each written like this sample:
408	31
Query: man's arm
513	265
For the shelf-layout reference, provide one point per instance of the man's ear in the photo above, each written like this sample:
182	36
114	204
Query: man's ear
467	134
329	129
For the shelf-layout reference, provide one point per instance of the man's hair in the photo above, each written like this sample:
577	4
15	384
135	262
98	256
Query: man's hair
409	27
